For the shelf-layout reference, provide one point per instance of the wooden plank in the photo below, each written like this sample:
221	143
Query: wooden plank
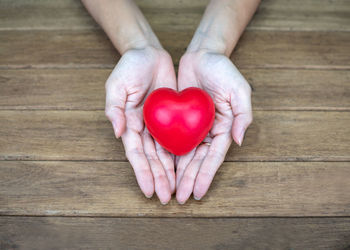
56	49
277	49
307	15
239	189
179	233
256	49
83	89
71	14
318	15
88	135
44	15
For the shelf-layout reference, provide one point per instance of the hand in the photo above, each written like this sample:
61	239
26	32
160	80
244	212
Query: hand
139	72
216	74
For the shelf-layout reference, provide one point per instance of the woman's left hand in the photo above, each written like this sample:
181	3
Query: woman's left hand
216	74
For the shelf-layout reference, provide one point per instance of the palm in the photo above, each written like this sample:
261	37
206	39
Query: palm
216	74
137	74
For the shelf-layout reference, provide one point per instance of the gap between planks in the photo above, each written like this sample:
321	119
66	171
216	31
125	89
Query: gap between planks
288	189
111	66
87	135
174	218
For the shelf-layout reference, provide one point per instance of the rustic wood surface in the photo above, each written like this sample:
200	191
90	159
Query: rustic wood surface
83	89
239	189
88	135
64	179
256	49
180	233
306	15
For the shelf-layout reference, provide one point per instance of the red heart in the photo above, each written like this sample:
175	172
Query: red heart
179	121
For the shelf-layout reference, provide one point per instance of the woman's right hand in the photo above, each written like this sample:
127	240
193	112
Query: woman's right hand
139	72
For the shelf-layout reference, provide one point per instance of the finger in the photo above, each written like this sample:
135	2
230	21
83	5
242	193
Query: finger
187	182
211	163
115	104
186	75
165	76
242	111
168	164
135	154
182	163
161	182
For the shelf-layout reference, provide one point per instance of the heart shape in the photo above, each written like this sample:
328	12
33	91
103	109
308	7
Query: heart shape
179	121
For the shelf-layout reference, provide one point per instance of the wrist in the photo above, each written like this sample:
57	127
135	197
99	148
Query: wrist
203	42
146	47
142	40
221	26
130	30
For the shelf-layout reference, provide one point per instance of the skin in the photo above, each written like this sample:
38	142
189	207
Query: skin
146	66
206	65
143	67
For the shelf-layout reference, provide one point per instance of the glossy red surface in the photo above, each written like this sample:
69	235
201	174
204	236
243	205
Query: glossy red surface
179	121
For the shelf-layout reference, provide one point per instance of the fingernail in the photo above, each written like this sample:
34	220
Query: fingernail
164	203
197	198
115	130
149	196
240	139
181	203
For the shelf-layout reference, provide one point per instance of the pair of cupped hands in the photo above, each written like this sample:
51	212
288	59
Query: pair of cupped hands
137	74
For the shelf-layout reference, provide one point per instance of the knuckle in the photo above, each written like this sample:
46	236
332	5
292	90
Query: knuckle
205	176
144	172
160	176
216	154
160	150
200	154
180	168
187	178
132	152
198	157
151	156
169	166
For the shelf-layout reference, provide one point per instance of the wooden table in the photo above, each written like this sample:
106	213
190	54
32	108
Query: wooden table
64	179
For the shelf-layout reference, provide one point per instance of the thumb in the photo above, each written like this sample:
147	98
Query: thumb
242	112
114	110
165	77
240	124
186	75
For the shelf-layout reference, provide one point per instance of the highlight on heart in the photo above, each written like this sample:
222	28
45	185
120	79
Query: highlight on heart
179	121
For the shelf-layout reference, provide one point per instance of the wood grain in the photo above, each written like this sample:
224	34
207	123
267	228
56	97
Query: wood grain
24	49
309	15
166	233
110	189
277	49
83	89
256	49
87	135
58	155
321	15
